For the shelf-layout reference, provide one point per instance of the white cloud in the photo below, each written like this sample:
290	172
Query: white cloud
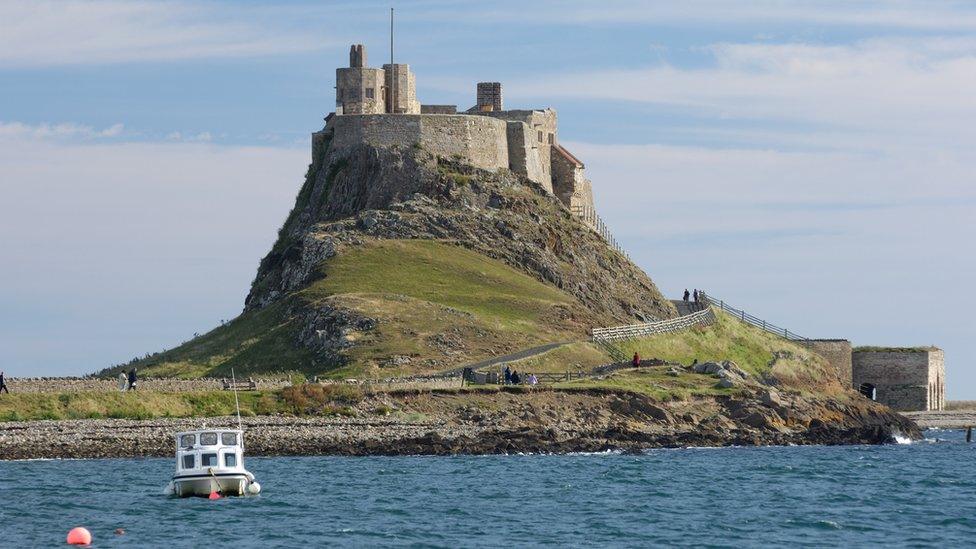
932	15
904	92
45	32
62	130
113	249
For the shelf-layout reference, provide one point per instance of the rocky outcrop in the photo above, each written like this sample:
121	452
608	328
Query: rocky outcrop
361	192
490	421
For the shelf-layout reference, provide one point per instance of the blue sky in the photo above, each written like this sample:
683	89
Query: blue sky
809	161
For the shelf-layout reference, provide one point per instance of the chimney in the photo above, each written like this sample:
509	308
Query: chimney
489	97
357	56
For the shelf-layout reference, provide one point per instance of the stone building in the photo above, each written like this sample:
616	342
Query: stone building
380	107
906	379
362	90
837	353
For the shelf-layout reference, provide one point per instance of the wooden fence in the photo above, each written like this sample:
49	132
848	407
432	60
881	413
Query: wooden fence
743	316
589	217
616	333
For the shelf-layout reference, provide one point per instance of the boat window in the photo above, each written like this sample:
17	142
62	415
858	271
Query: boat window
189	461
209	460
228	439
186	441
208	439
230	459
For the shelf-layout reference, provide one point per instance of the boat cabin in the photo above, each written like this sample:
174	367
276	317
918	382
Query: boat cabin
209	450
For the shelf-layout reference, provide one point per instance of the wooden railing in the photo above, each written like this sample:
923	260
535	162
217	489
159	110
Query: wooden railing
616	333
748	318
589	216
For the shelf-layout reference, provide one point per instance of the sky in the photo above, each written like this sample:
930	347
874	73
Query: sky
810	162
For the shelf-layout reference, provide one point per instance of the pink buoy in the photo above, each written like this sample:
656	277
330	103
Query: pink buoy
79	536
213	495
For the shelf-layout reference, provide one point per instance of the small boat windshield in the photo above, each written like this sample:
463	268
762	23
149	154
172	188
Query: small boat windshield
209	449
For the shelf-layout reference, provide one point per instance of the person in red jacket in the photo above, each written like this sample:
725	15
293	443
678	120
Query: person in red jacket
636	361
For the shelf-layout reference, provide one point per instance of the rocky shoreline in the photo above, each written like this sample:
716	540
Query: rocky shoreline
483	422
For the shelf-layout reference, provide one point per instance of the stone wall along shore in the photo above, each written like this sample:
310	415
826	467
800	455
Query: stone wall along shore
163	385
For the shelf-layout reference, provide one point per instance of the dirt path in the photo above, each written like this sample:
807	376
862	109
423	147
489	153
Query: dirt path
518	355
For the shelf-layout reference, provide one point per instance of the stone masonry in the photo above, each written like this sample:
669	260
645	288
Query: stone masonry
837	352
908	379
380	107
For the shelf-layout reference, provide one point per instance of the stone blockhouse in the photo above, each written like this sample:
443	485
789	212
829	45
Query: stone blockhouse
906	379
380	107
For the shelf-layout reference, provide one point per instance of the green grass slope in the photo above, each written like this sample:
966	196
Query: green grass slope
437	306
760	353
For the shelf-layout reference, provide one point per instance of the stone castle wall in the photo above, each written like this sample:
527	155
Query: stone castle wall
479	139
523	155
837	352
165	385
906	380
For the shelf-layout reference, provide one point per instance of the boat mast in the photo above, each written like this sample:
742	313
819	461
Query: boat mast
237	404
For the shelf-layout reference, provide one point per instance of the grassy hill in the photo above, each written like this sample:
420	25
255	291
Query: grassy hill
760	353
435	306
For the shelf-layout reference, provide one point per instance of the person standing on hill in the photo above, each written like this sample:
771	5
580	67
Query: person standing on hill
132	379
123	381
636	361
508	375
686	294
3	383
695	293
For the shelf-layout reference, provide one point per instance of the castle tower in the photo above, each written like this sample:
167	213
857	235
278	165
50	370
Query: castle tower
402	83
360	89
489	97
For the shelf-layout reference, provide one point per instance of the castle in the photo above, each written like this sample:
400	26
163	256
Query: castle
379	106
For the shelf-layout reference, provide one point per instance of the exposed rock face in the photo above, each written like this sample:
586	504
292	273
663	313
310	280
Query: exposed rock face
362	192
484	422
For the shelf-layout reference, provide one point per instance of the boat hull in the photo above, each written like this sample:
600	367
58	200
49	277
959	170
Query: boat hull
235	484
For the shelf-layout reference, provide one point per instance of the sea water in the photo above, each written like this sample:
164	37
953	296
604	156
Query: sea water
920	494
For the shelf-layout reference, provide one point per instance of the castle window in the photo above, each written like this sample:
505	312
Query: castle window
370	93
540	136
552	138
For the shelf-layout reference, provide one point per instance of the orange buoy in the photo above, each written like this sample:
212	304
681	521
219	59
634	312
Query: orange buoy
213	495
79	536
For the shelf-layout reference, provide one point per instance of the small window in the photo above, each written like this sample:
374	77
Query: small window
189	461
188	441
552	138
540	136
228	439
370	93
208	439
209	460
230	460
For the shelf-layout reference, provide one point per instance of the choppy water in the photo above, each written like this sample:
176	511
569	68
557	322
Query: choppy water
899	495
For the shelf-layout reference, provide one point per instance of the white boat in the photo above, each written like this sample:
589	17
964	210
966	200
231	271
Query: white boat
211	461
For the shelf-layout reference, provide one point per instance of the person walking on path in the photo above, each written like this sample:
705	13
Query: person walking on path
508	375
132	379
3	383
516	378
686	294
123	381
636	361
